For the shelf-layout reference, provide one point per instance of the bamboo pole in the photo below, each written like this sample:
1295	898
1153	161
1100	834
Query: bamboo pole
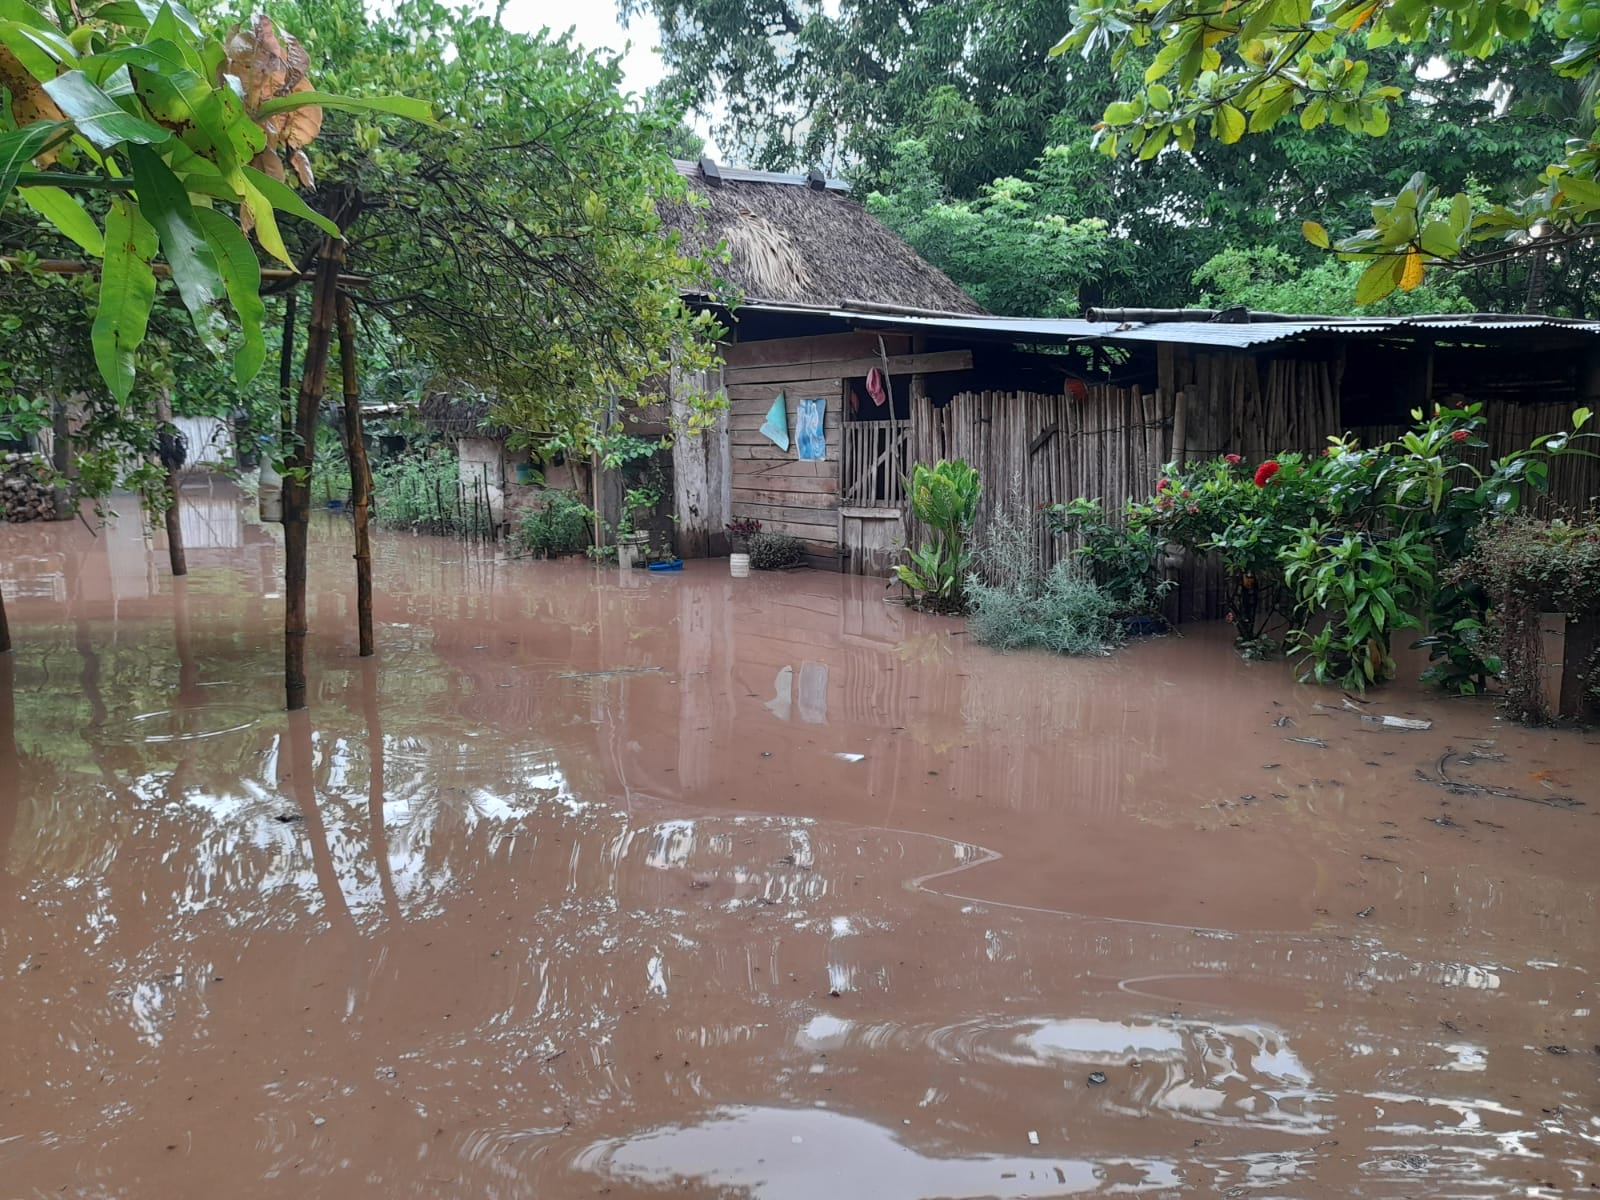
297	480
176	556
360	474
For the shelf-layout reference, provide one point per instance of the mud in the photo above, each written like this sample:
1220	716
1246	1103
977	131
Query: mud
637	885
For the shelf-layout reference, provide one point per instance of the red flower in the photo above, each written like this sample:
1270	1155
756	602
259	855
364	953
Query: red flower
1194	508
1234	459
1163	484
1266	471
1459	435
1184	493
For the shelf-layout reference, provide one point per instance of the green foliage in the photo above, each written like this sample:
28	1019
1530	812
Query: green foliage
944	497
1014	603
1218	507
1261	66
1011	248
516	248
419	492
562	524
1125	560
1268	279
1373	587
1526	567
140	103
776	551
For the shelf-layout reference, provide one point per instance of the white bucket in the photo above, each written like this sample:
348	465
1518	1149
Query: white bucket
270	496
739	565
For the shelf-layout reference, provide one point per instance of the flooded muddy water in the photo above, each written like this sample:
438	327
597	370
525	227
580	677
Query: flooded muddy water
675	884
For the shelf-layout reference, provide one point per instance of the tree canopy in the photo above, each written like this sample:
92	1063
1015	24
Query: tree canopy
801	83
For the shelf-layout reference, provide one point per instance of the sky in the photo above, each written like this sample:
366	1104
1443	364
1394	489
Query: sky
596	26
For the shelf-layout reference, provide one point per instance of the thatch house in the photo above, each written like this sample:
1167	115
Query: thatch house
800	240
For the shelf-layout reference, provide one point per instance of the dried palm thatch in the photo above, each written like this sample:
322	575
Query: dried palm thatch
791	243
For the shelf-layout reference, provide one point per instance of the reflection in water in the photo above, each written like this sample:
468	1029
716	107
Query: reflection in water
588	886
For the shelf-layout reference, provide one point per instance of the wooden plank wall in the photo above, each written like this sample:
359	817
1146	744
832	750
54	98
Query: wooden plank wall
773	485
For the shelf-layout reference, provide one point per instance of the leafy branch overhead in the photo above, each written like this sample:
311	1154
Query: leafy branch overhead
137	101
1229	68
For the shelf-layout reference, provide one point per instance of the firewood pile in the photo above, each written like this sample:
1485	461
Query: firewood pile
23	495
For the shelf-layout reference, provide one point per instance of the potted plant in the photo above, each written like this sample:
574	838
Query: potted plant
740	531
637	504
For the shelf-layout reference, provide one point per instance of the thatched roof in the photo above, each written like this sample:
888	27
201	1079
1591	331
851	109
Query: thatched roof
801	239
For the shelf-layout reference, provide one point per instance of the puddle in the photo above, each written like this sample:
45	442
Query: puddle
760	888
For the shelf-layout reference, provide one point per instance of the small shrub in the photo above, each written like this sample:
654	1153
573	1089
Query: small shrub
1015	604
560	526
775	551
1067	612
741	530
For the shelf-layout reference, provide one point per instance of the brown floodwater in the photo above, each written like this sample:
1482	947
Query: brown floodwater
675	884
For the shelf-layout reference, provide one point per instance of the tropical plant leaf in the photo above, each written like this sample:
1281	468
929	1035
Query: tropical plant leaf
285	199
165	204
19	147
241	274
398	106
68	216
97	116
127	290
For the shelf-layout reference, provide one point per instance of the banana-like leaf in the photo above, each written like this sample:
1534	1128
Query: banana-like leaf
97	116
266	220
19	147
286	199
165	204
399	106
236	260
63	211
127	290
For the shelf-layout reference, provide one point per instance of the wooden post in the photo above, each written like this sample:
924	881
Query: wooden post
5	628
175	551
360	473
297	480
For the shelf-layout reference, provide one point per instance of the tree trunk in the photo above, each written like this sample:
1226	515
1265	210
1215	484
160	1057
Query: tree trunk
297	479
175	551
360	473
61	457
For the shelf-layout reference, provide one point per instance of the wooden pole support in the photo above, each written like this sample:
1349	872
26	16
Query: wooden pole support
360	474
297	480
176	555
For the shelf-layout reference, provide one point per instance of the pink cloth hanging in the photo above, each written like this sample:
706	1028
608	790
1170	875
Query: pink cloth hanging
876	388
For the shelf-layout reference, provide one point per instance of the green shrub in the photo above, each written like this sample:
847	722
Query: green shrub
422	492
560	526
775	551
1015	604
944	497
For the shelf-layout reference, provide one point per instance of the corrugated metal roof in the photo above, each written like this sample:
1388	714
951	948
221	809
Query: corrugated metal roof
1244	335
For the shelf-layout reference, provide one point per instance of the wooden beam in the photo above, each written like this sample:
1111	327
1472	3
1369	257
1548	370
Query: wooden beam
899	364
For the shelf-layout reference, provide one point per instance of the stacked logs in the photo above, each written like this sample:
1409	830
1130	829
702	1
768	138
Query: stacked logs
23	497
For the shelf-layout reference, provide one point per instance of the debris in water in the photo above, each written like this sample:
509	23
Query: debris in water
849	758
288	818
1096	1078
608	674
1461	787
319	1121
1557	1050
1033	1137
1367	911
834	992
1396	722
1284	722
1309	741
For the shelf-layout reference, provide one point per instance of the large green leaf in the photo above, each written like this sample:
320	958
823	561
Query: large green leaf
68	216
266	220
179	97
285	199
19	147
127	290
165	204
241	273
97	116
399	106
